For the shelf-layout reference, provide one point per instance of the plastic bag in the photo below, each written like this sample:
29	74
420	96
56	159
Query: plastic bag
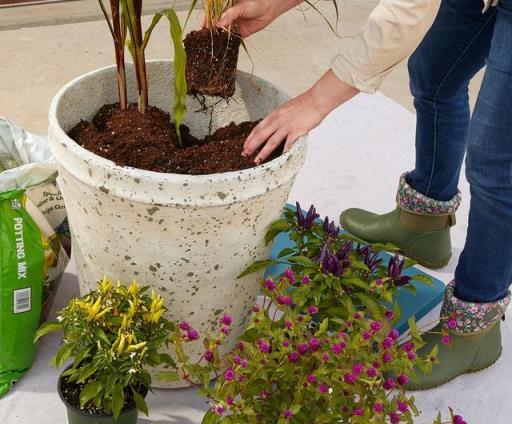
33	231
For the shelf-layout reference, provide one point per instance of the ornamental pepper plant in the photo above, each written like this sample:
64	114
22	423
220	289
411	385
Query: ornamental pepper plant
112	335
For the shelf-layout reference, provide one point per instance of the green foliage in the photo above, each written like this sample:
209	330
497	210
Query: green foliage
320	349
180	62
113	334
126	29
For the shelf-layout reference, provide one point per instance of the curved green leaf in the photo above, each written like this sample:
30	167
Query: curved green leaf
180	62
47	328
257	266
89	391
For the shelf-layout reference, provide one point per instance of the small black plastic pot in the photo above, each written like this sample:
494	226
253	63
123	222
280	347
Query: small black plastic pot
77	416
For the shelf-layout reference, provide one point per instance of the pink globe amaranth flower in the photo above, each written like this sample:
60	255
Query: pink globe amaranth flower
185	326
371	372
293	356
323	388
264	347
209	356
446	339
240	346
227	319
237	360
376	364
451	323
411	355
300	318
350	378
345	409
342	335
389	384
229	374
311	378
225	330
338	348
457	419
378	408
244	363
284	300
394	334
357	369
312	310
256	309
241	378
314	344
286	343
387	357
230	401
303	348
325	356
269	284
375	326
192	334
357	315
366	335
290	275
408	346
394	418
287	414
379	282
348	324
387	343
264	394
219	409
402	406
402	379
389	315
358	412
305	279
288	324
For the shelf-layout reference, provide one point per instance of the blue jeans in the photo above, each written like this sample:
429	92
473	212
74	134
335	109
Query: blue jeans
461	41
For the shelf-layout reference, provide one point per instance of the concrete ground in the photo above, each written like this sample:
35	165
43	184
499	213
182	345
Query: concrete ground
42	47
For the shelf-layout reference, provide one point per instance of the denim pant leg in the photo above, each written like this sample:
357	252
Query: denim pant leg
484	271
440	69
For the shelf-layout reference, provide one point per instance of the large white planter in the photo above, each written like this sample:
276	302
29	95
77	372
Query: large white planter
187	236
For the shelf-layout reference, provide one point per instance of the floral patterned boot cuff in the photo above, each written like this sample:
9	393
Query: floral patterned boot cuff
413	201
465	318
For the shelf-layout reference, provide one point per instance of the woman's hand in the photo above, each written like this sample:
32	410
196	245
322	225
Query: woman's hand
298	116
253	15
285	124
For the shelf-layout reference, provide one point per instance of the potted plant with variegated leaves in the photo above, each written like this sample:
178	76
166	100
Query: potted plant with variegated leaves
111	336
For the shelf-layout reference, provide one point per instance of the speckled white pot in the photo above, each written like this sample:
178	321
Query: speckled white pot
188	236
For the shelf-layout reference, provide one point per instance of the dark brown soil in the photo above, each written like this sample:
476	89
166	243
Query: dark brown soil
212	58
149	142
71	392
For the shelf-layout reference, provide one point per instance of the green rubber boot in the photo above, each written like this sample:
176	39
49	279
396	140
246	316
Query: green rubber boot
419	226
474	329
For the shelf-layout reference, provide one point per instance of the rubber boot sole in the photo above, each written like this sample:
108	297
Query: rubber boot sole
428	264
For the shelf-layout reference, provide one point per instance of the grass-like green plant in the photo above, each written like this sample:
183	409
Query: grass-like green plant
126	28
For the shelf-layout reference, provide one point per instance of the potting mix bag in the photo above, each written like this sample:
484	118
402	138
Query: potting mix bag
33	231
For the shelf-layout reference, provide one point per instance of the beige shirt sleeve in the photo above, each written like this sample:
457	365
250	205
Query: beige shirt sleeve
392	32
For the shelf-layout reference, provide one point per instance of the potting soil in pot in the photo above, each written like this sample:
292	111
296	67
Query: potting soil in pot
148	141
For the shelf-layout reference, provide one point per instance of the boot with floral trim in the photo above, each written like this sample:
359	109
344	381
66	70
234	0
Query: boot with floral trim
470	341
419	226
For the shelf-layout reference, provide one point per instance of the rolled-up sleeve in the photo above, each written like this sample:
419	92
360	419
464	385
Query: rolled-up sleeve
392	32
